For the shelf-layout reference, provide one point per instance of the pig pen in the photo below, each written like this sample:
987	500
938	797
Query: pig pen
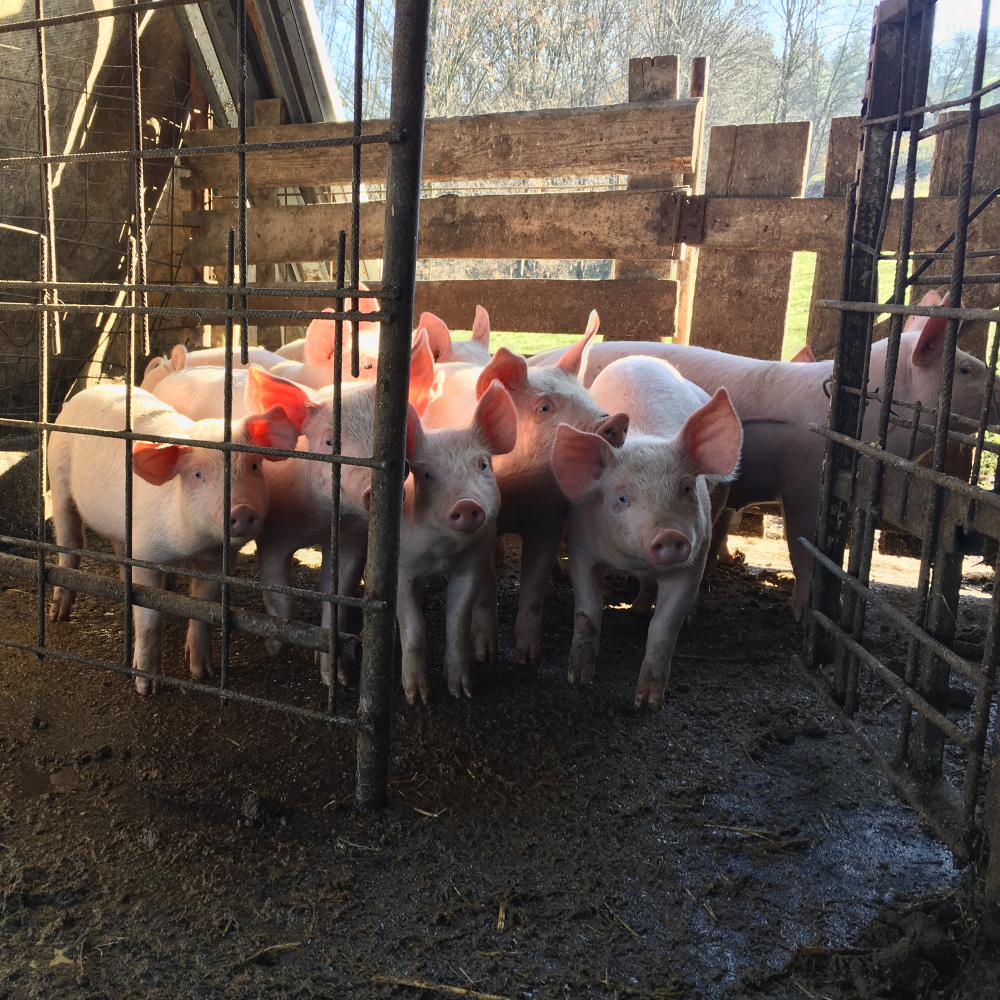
539	841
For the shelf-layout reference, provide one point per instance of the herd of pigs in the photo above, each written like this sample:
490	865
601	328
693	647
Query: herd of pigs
630	451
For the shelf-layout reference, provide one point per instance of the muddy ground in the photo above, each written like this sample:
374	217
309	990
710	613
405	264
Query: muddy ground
541	841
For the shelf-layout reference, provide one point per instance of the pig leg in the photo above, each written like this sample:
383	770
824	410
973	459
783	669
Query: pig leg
484	615
674	597
588	583
198	645
800	524
146	648
539	549
69	532
463	586
275	566
646	597
352	568
413	638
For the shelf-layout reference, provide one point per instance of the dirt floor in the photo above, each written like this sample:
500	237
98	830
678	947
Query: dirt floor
541	841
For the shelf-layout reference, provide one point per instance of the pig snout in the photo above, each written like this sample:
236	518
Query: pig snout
466	515
244	521
668	548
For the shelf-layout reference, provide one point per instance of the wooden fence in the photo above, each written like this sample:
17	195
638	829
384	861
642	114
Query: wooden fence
731	294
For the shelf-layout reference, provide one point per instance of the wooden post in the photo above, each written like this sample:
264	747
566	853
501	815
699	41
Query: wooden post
687	266
654	79
946	166
841	167
741	300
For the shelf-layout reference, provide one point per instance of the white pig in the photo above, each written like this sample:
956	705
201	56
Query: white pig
644	508
533	506
178	514
449	527
475	351
182	359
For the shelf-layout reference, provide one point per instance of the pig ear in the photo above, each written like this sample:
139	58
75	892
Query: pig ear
421	373
711	437
481	327
930	344
271	430
438	335
178	357
803	355
917	322
157	463
579	459
321	340
574	360
264	391
496	419
414	432
508	368
614	429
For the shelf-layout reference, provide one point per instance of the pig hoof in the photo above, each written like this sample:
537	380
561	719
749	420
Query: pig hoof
144	686
273	646
342	675
650	693
460	687
62	604
528	654
199	663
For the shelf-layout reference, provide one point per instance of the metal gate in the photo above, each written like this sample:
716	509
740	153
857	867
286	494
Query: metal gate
936	762
50	303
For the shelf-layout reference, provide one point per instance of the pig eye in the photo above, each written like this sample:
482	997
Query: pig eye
428	475
545	407
483	464
198	475
369	366
253	466
329	442
964	370
623	500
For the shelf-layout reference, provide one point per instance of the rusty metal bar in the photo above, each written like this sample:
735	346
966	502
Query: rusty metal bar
254	622
402	199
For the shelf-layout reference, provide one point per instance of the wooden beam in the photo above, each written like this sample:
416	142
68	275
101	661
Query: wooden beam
570	142
841	167
633	309
741	299
650	79
588	226
946	165
531	305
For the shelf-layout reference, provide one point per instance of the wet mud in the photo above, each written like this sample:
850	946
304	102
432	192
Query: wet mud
541	840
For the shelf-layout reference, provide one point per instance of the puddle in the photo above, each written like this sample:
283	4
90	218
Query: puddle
32	781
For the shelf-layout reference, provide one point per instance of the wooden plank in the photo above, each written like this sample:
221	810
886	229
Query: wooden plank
687	268
841	167
572	226
538	306
569	142
642	309
949	152
649	79
741	299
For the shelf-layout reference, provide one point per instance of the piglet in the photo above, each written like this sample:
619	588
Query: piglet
449	527
644	508
181	359
533	506
177	504
475	351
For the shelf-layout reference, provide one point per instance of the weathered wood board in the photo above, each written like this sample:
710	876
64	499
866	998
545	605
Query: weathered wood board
573	226
841	166
949	152
631	309
570	142
741	299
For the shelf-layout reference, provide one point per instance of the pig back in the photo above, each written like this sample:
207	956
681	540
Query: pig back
197	393
652	392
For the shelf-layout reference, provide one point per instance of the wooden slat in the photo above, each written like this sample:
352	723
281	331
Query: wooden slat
614	139
642	308
649	80
538	306
741	299
949	152
587	226
841	166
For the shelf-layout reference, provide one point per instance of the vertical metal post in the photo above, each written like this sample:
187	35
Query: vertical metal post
883	98
378	636
336	469
138	179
